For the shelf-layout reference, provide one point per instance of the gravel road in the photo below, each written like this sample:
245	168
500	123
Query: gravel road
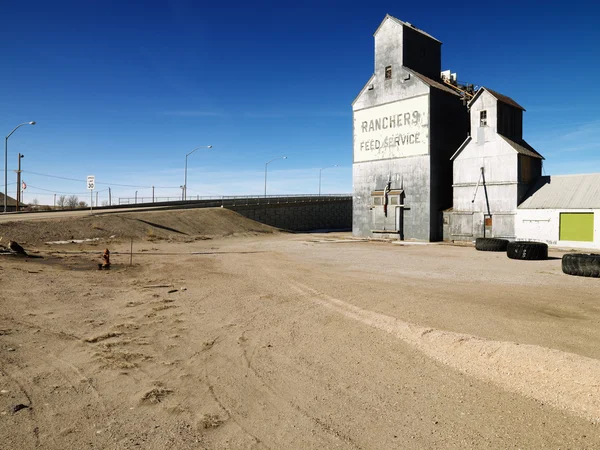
296	341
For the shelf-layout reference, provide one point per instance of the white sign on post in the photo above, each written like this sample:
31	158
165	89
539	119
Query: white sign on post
91	185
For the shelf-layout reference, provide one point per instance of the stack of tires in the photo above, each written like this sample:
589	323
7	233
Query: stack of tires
514	250
581	264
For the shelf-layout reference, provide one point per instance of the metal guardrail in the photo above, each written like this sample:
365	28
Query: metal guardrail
150	200
211	202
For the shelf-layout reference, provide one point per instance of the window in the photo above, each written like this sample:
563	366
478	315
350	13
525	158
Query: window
388	73
483	118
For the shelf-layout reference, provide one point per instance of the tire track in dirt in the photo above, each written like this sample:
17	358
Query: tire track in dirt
563	380
30	409
275	395
228	411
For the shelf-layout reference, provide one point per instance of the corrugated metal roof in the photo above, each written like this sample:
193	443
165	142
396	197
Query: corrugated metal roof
436	84
505	99
406	24
497	96
522	147
564	192
461	148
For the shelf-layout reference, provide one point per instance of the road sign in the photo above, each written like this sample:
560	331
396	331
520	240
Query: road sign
91	182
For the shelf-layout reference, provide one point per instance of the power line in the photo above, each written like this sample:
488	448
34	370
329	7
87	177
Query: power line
53	176
97	182
65	193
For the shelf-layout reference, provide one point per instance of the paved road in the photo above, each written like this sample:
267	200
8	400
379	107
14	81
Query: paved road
15	217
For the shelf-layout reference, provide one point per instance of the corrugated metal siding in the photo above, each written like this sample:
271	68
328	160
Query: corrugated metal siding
565	192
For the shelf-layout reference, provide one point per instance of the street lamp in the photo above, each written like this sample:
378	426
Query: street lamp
19	196
185	176
321	170
6	160
279	157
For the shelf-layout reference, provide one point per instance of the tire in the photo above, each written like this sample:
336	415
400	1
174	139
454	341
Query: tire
581	264
491	244
527	250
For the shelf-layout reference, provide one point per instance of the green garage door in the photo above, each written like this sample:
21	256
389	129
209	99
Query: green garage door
577	227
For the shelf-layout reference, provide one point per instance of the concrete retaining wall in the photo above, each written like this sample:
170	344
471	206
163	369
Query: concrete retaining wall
299	214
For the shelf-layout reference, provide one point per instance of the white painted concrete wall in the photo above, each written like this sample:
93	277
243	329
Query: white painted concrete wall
543	225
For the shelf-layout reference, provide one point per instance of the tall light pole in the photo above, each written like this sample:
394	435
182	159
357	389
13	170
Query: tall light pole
6	160
19	183
321	170
185	176
279	157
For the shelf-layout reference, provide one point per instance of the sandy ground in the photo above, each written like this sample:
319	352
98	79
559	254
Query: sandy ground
295	341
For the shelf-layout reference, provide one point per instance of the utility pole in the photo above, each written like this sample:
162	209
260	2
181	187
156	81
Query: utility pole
54	206
6	162
96	199
152	194
19	183
109	198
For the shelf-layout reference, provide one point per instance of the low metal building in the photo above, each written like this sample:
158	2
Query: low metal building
493	169
407	124
562	210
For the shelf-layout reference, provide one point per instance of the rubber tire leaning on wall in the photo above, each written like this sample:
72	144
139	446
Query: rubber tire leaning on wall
527	250
491	244
581	264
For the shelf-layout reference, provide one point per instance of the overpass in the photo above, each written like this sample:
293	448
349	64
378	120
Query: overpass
290	212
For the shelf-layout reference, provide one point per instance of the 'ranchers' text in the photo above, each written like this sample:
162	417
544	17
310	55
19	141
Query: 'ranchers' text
390	122
394	121
396	129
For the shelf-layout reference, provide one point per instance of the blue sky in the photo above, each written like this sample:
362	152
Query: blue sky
123	90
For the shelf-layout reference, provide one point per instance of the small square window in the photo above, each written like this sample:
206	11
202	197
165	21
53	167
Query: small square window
393	199
483	118
388	73
377	200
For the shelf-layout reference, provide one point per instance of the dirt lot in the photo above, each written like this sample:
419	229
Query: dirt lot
262	339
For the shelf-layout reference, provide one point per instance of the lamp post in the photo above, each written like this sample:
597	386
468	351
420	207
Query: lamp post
321	170
6	160
279	157
185	175
19	197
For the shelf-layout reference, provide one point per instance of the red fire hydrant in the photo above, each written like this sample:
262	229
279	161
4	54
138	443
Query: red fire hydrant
106	259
